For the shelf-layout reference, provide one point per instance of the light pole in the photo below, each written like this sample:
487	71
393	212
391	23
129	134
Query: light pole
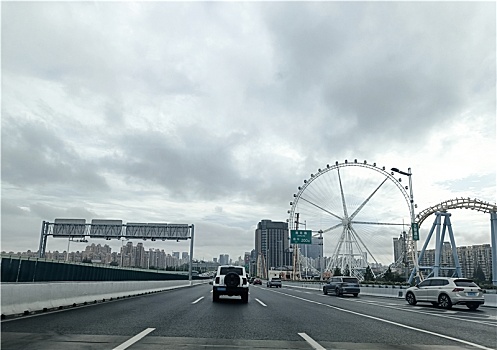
321	257
305	246
409	175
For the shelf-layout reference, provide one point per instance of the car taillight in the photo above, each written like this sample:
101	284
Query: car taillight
217	280
244	280
457	289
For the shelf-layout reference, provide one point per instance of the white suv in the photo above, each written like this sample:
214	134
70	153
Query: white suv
230	280
445	292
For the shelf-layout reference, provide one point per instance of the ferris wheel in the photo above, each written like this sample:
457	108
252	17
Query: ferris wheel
358	208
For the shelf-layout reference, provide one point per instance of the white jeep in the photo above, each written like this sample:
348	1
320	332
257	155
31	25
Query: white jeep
230	280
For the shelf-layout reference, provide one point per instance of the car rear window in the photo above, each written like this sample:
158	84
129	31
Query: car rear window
226	270
350	280
465	283
275	280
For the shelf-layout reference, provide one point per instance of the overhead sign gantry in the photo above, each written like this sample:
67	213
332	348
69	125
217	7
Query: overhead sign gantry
78	229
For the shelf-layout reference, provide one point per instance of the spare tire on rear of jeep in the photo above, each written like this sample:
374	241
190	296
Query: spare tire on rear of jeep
231	279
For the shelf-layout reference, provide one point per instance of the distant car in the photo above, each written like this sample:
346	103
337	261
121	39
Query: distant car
445	292
274	282
257	281
251	280
341	285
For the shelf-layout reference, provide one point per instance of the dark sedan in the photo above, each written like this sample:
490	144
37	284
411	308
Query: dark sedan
341	285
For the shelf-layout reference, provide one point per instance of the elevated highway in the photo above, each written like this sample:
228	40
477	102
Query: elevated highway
293	317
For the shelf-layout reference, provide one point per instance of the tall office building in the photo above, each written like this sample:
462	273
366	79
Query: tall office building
224	259
399	248
313	250
272	243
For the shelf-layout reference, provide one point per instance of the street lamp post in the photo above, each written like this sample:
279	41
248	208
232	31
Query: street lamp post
321	256
409	175
297	246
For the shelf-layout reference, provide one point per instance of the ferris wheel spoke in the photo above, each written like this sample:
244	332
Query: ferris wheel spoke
367	199
332	227
319	207
334	257
365	247
376	223
345	214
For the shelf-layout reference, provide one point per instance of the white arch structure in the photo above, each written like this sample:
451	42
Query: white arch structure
472	204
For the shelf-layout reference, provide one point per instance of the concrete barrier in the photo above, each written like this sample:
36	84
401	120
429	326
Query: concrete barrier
19	298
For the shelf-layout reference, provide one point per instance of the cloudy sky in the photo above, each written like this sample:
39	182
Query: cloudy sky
213	113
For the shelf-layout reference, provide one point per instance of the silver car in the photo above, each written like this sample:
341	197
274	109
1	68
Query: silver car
445	292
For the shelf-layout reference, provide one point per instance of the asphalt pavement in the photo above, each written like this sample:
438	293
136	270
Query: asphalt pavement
277	318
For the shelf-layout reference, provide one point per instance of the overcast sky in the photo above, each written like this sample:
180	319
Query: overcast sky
213	113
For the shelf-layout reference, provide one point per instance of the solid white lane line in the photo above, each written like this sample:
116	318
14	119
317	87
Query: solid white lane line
315	345
196	301
133	340
260	302
391	322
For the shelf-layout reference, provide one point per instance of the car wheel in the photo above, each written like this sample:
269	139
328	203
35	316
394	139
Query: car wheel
338	292
215	296
444	301
355	294
411	299
245	297
325	291
473	306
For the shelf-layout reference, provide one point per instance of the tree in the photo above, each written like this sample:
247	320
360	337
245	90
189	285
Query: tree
478	274
368	275
347	271
389	276
337	271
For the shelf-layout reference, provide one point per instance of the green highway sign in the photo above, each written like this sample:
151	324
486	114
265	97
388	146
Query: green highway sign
415	231
301	236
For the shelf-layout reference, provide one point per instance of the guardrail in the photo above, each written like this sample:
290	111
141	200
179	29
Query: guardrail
25	298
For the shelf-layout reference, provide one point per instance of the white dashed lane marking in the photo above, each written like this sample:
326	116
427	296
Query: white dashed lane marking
260	302
196	301
133	340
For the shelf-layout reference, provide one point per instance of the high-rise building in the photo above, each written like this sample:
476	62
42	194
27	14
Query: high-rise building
312	251
272	243
224	259
470	257
399	248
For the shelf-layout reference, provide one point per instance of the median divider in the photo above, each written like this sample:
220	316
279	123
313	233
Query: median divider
25	298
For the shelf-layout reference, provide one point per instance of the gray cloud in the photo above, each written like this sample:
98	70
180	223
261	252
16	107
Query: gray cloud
167	111
33	154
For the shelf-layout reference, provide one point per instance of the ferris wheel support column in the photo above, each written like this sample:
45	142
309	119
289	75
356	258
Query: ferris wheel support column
413	221
493	233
